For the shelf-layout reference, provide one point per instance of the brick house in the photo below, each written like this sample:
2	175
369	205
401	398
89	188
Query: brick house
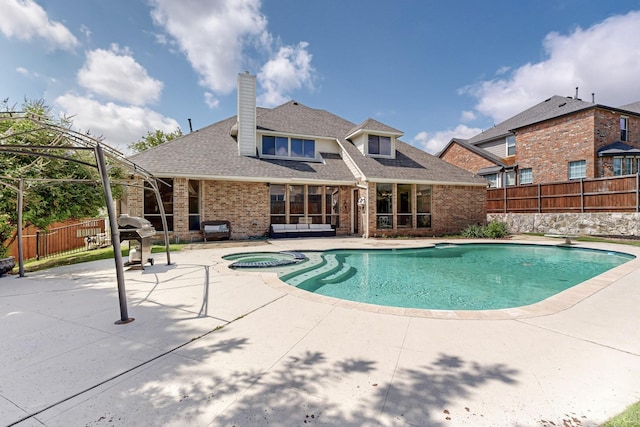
556	140
293	164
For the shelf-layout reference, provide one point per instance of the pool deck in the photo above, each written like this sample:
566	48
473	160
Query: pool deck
212	346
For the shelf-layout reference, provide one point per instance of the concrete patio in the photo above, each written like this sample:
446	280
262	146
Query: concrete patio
215	347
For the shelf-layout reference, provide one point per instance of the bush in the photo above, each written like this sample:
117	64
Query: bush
473	232
493	230
5	233
497	230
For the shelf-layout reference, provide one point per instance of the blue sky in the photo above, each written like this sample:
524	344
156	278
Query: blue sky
433	70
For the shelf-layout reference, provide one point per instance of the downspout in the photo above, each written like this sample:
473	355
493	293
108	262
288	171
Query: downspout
366	209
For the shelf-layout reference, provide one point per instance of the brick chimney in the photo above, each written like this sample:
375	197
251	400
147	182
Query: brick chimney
246	114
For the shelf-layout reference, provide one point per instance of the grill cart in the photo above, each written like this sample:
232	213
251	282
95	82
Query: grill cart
138	231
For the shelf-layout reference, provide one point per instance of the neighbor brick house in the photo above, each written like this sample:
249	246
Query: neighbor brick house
294	164
556	140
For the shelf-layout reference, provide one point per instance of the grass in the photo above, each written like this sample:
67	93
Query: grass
629	418
80	257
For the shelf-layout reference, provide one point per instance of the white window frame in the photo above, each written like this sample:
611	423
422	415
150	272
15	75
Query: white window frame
529	172
288	155
391	145
497	181
511	143
572	169
624	128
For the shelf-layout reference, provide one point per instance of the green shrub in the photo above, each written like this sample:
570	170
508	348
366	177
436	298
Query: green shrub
473	232
493	230
497	230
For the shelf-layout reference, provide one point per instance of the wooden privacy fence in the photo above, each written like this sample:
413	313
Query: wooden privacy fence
65	238
613	194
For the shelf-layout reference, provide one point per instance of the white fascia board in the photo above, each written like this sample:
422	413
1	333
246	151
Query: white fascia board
291	135
345	155
260	179
425	182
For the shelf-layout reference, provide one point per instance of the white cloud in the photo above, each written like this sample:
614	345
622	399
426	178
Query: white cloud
211	100
26	20
603	59
119	125
23	71
467	116
289	70
114	73
225	37
434	142
213	35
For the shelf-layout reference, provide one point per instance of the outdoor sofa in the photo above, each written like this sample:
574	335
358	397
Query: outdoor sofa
301	230
215	230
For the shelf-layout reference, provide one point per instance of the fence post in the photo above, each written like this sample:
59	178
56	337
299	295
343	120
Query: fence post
539	199
638	191
38	244
505	199
581	195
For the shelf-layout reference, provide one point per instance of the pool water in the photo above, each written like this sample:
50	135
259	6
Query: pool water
454	277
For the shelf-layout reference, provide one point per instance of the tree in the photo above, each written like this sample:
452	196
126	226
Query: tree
153	139
57	186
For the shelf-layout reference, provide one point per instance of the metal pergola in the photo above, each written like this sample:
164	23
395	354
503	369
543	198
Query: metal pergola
76	141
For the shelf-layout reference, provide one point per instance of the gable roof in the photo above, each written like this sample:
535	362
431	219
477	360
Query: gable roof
553	107
212	153
373	126
634	107
476	150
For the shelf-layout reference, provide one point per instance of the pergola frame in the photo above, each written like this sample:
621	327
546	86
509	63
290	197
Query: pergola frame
80	142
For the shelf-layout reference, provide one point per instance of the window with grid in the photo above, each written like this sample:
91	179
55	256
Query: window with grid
578	169
526	176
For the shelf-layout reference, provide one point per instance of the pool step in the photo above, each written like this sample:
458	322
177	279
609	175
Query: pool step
328	266
342	274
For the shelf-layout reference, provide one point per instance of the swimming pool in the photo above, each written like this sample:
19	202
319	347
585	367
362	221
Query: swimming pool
453	277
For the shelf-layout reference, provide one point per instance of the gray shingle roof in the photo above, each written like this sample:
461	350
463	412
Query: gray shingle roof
212	153
555	106
410	164
479	151
375	126
633	107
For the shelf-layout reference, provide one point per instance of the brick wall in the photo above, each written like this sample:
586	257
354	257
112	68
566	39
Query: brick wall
461	157
548	147
453	208
244	204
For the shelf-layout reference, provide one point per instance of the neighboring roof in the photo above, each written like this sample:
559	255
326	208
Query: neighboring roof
212	153
618	149
555	106
490	170
633	107
479	151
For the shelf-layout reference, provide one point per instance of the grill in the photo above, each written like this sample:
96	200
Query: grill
138	231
